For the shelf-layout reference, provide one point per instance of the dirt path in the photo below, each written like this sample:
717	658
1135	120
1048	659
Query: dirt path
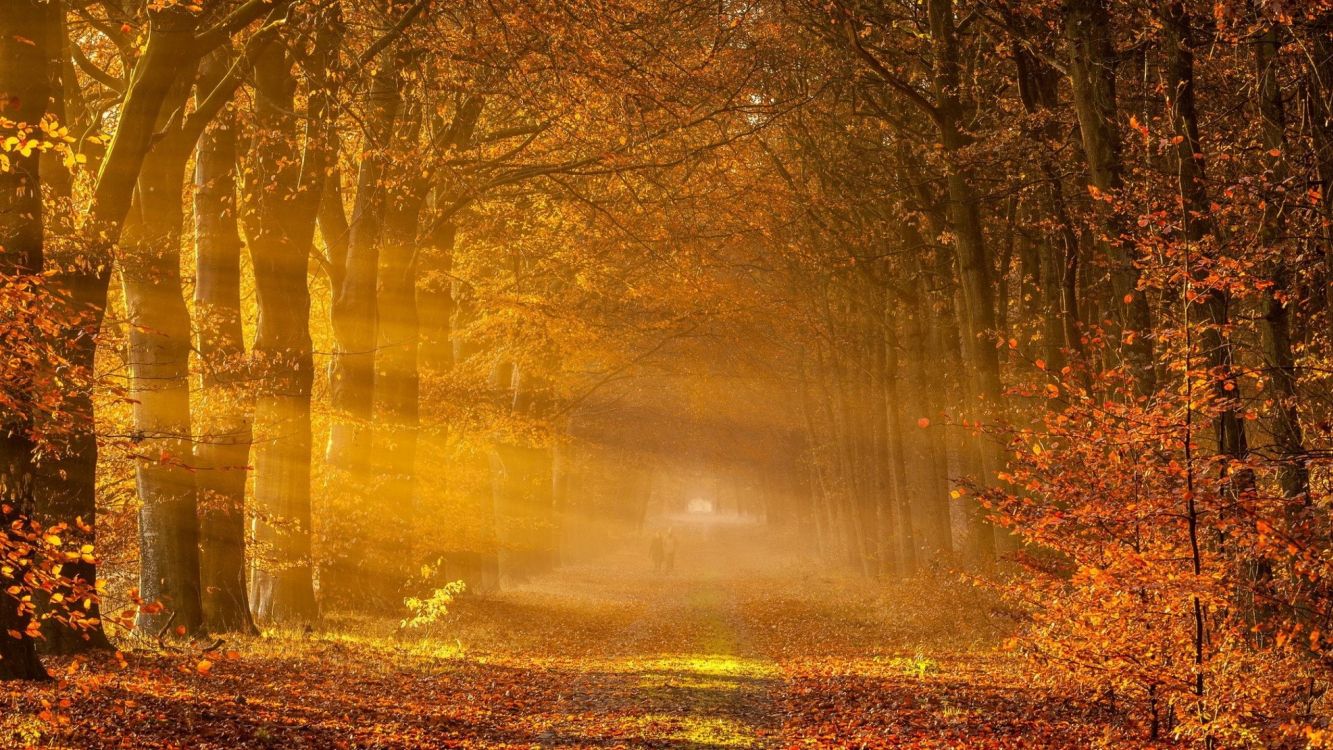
740	648
679	670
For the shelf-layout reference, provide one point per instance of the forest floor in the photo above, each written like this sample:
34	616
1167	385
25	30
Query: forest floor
737	648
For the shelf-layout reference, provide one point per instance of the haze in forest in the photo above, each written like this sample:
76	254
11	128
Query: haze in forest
666	373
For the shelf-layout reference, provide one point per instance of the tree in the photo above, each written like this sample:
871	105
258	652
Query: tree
26	34
286	174
222	451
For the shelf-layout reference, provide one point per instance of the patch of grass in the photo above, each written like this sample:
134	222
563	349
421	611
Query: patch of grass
917	665
701	731
24	730
705	665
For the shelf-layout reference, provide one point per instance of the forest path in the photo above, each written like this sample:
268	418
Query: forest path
670	661
680	675
743	646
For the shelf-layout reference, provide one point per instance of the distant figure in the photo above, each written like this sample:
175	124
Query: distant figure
669	550
657	551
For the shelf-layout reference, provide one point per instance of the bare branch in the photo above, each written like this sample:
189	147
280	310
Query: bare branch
887	76
393	33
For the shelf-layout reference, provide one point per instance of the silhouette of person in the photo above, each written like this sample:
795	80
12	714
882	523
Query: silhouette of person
669	550
657	551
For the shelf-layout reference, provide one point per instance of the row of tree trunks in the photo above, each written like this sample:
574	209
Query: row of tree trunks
159	354
881	475
1054	274
416	334
405	345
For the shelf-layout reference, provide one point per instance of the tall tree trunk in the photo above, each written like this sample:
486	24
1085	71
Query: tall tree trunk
348	453
1319	102
158	354
435	293
25	40
885	552
973	456
1214	340
283	190
479	559
352	368
819	485
530	466
222	453
564	458
69	483
66	105
840	543
435	301
401	348
927	380
1211	315
397	381
1056	271
1293	473
975	271
895	455
849	440
1092	62
928	502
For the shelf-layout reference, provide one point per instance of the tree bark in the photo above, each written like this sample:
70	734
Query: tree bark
354	312
896	456
222	452
1319	101
885	554
69	482
282	193
975	272
1092	62
158	355
1213	340
1280	359
352	368
397	382
928	503
25	39
67	106
1056	270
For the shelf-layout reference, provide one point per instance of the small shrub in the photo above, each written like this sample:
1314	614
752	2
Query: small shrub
425	614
